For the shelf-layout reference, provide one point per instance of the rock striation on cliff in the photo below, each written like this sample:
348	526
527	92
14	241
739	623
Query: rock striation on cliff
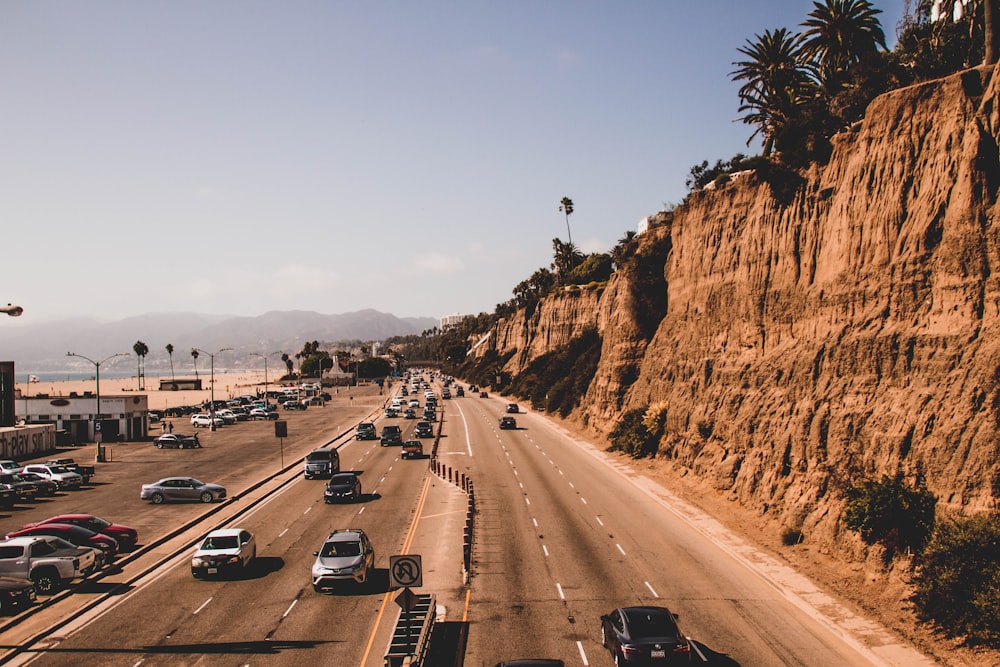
845	331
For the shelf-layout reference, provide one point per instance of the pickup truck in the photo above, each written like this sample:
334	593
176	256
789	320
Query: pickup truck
49	562
80	469
61	475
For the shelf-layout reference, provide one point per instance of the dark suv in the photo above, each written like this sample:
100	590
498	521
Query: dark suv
366	431
391	435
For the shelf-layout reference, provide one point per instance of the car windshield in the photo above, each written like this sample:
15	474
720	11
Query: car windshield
218	542
318	456
58	469
335	549
651	625
97	522
194	482
340	480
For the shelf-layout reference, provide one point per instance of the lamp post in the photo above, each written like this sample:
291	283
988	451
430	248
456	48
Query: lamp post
97	378
211	355
12	310
264	357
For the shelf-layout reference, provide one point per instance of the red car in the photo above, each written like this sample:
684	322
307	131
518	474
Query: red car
82	537
125	536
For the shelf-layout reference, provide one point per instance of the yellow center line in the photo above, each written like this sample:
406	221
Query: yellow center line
406	545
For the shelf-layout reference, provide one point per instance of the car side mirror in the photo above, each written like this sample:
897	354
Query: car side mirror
676	616
315	553
604	618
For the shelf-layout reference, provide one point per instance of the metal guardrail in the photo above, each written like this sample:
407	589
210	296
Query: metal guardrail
413	630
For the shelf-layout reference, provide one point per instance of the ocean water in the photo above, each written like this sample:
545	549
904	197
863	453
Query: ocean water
21	376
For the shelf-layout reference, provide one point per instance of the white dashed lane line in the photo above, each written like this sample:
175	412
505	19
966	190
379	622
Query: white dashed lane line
203	605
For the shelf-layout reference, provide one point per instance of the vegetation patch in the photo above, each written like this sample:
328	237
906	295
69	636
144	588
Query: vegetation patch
891	513
631	436
556	381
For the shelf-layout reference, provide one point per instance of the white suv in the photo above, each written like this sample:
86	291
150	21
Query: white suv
347	555
205	420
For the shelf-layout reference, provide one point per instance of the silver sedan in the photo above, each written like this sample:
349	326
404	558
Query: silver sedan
181	488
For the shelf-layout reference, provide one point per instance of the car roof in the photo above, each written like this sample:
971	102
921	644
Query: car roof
345	535
225	532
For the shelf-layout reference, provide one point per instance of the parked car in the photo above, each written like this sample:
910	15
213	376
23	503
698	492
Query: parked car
366	431
10	466
263	413
24	489
176	441
84	470
508	423
106	546
223	551
126	536
346	556
294	404
181	488
61	475
227	416
205	421
15	593
644	636
343	486
45	487
49	562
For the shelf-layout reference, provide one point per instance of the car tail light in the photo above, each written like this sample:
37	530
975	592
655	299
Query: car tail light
683	647
630	650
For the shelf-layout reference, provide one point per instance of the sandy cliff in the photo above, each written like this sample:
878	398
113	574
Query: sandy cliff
846	332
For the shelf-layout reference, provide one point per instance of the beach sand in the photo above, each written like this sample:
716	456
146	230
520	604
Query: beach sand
227	385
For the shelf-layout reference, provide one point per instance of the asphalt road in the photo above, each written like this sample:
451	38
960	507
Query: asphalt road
561	538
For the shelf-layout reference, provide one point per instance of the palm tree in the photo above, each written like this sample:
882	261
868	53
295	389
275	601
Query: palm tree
170	353
839	33
566	258
194	355
141	350
778	81
566	206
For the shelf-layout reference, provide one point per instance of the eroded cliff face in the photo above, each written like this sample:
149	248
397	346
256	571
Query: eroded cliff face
851	332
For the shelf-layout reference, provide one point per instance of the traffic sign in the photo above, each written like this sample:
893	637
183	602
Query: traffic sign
405	571
406	600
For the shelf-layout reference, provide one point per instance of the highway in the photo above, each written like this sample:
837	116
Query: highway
561	537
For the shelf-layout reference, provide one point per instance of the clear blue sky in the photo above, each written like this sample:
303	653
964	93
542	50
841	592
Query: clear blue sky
245	156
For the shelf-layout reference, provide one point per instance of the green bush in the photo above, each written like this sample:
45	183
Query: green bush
958	579
556	381
631	436
891	513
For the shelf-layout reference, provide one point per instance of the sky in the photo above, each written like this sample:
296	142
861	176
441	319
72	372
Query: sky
241	156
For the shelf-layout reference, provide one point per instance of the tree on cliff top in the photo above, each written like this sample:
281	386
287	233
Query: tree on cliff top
838	35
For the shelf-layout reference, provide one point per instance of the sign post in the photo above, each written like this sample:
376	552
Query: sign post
281	432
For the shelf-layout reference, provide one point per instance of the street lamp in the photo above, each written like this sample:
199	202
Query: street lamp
97	377
264	357
12	310
211	355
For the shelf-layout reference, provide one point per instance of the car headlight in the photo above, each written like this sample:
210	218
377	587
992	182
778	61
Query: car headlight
197	562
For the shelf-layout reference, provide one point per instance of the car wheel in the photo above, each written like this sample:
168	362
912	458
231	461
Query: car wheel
157	498
159	445
206	497
604	637
46	581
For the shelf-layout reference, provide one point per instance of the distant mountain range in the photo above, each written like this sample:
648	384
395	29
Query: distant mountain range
43	347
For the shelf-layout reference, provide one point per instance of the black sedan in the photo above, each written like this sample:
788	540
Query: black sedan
15	593
341	487
644	636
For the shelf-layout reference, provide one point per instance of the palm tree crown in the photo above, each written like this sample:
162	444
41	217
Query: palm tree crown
777	79
839	33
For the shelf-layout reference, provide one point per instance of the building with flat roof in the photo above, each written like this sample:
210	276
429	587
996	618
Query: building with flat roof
122	417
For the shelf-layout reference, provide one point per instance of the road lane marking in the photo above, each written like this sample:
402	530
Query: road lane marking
583	500
282	532
308	509
583	655
407	542
534	521
652	590
203	605
289	610
620	549
562	596
599	520
545	550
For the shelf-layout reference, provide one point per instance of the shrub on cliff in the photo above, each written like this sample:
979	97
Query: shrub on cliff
631	436
558	380
958	579
891	513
